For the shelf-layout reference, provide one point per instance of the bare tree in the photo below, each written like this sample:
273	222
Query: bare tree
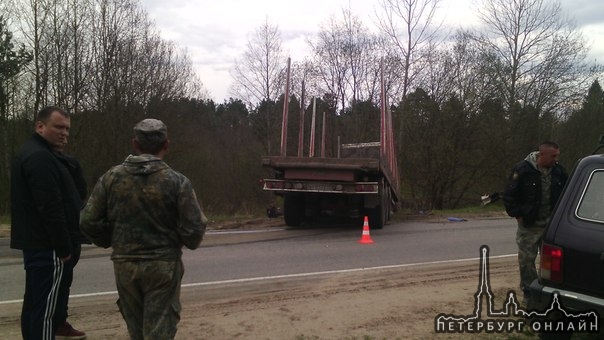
330	67
346	60
13	59
12	62
543	55
409	26
259	78
462	69
258	74
102	60
32	18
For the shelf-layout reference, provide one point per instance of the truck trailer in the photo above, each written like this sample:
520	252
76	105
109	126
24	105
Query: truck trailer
361	180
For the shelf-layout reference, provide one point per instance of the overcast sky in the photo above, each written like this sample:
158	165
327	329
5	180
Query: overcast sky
215	32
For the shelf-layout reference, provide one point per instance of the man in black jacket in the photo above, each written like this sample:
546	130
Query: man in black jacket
530	195
45	205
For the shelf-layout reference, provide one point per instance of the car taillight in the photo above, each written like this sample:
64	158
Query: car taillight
551	263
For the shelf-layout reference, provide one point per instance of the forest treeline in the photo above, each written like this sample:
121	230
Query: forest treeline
466	105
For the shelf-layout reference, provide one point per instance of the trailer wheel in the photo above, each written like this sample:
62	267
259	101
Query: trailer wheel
387	207
376	217
379	215
293	210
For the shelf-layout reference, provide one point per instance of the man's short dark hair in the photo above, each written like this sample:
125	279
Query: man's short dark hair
550	144
44	114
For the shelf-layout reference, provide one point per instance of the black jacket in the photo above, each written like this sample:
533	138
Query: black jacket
77	175
45	203
522	194
75	170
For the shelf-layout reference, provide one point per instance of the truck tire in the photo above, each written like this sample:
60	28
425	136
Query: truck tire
293	210
379	215
376	217
388	205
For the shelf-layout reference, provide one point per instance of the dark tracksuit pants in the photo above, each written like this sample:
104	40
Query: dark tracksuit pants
61	311
45	276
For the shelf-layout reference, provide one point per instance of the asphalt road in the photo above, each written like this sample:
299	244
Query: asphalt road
268	252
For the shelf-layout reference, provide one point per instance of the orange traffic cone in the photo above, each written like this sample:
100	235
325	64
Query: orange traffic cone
366	238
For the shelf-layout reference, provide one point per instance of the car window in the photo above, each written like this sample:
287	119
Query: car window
591	205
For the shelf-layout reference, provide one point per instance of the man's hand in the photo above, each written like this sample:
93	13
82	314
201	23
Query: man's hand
65	259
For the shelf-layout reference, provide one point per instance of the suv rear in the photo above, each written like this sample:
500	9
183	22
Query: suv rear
572	253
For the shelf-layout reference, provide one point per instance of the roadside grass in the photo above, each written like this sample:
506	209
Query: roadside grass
491	210
238	216
4	226
245	217
215	221
475	209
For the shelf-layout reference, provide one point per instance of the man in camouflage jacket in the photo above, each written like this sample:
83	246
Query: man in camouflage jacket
146	212
532	190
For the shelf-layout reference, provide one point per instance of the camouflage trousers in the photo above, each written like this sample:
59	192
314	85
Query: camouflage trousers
529	242
149	297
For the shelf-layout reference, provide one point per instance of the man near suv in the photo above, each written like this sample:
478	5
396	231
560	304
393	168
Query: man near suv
532	190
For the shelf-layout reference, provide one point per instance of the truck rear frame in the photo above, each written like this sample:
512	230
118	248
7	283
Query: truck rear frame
362	180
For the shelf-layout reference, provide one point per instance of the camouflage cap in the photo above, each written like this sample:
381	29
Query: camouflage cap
151	127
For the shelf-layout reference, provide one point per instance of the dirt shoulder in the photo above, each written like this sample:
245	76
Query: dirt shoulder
397	303
4	230
234	223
